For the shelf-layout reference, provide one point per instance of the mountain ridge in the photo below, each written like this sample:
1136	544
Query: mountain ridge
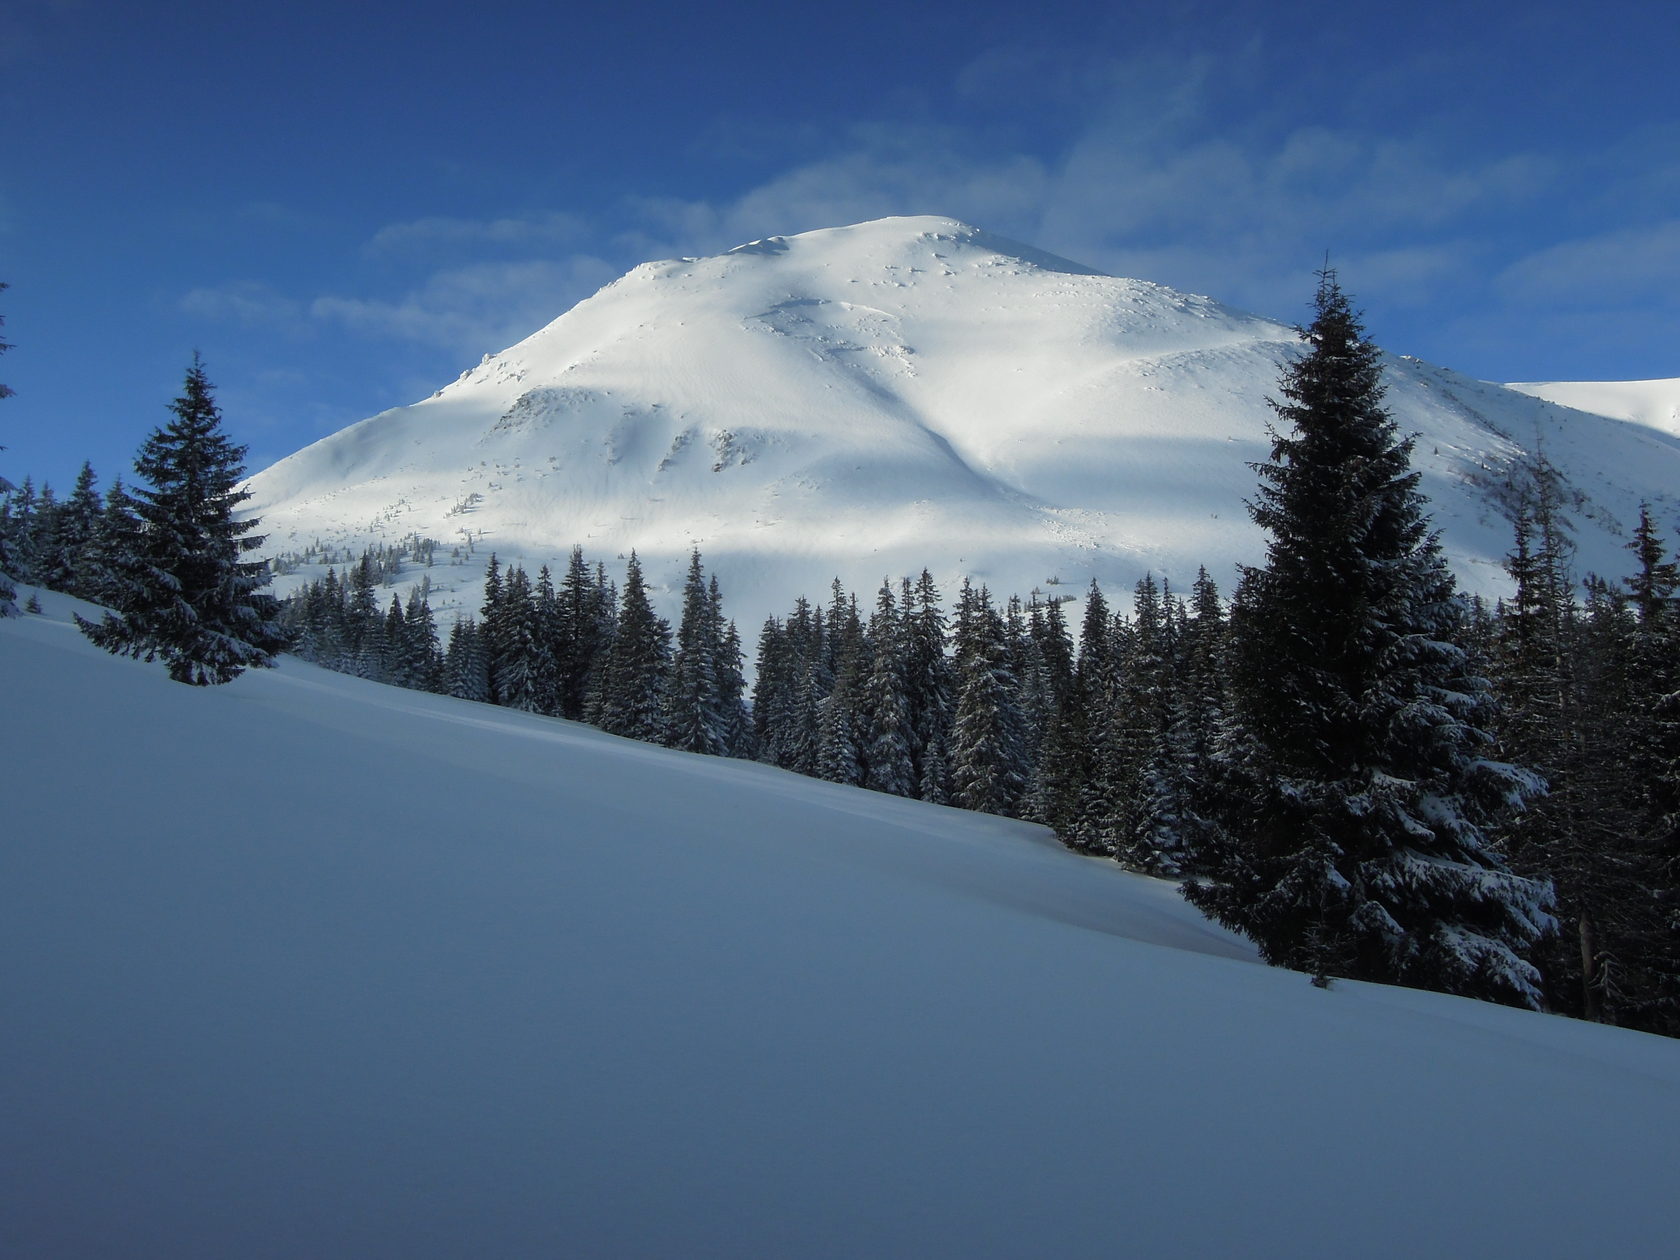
870	400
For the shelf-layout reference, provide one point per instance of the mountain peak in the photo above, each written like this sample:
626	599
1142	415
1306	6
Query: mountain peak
927	234
869	400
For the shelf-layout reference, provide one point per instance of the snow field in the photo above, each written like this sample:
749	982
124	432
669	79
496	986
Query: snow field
308	966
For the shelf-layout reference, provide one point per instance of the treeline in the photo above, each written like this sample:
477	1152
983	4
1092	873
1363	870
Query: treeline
1366	773
579	649
74	544
1589	678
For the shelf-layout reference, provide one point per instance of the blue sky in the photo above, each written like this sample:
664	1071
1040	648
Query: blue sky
344	206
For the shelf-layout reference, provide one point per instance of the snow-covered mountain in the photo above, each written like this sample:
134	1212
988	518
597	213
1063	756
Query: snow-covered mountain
308	967
1654	404
868	400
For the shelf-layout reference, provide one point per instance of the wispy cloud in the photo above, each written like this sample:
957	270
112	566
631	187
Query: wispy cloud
1633	264
428	234
1163	168
248	304
474	309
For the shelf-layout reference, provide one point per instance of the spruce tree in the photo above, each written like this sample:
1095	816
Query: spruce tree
886	706
584	618
988	768
550	633
192	600
364	630
466	673
517	668
1651	735
772	693
424	661
1365	850
103	576
633	682
732	689
694	715
22	523
74	538
927	688
1082	774
1205	732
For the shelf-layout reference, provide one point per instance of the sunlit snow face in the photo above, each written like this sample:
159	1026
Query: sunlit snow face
869	401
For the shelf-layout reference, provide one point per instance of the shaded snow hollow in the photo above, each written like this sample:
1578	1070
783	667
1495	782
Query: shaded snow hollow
865	401
304	966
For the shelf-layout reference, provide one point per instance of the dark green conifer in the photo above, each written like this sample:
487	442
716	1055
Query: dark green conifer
1365	849
191	599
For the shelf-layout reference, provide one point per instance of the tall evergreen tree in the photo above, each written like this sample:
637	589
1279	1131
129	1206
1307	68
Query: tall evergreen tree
1082	775
115	535
585	621
732	689
841	726
193	601
466	673
988	763
423	660
1204	733
1366	853
21	526
633	682
886	706
694	714
549	633
74	536
927	688
516	670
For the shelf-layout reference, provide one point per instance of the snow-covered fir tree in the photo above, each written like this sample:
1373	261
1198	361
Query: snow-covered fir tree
988	767
1366	849
633	680
549	631
886	704
694	719
732	687
191	600
1083	777
466	672
101	578
68	567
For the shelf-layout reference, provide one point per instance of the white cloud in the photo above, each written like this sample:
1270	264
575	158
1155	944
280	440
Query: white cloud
253	305
1246	217
551	228
879	172
1632	264
474	309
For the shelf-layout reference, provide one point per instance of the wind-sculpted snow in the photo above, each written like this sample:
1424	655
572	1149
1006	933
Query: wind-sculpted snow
305	966
865	401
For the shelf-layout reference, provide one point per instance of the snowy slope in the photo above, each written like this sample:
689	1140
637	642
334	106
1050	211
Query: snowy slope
1655	404
864	401
303	966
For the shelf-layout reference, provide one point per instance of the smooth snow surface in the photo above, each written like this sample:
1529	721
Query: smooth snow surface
862	402
1655	404
308	967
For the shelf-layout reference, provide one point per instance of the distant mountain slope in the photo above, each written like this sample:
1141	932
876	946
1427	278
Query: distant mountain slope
864	401
1655	404
308	967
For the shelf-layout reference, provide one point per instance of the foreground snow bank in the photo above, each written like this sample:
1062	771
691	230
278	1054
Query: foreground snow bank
308	967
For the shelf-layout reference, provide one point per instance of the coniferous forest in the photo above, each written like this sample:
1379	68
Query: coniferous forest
1346	760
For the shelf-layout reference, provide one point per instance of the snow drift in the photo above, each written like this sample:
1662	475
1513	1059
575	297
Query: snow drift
304	966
